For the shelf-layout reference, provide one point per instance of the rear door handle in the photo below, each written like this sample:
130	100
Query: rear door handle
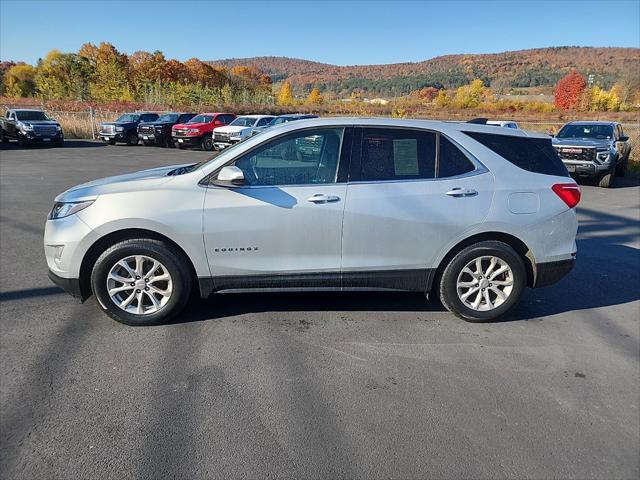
322	198
462	192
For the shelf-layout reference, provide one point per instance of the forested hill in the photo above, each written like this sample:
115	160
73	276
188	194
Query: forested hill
517	69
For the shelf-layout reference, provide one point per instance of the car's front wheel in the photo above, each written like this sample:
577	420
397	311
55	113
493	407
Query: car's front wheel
483	281
132	139
206	143
141	282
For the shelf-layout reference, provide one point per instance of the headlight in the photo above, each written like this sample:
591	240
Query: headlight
119	129
58	128
64	209
193	130
603	156
26	126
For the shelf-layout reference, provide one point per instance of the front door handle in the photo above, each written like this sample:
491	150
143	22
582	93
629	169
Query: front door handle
462	192
322	198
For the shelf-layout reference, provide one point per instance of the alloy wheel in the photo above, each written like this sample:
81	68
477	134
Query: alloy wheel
139	285
485	283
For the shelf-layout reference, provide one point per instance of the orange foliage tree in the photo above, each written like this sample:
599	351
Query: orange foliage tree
569	90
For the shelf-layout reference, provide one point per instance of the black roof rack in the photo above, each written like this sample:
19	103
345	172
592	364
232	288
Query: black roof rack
479	121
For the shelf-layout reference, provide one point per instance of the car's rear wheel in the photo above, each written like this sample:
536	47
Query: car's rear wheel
483	281
141	282
206	143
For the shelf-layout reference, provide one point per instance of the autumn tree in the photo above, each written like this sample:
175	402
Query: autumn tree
568	91
19	81
111	79
315	97
145	68
427	94
603	101
90	52
175	71
442	99
285	96
63	75
472	95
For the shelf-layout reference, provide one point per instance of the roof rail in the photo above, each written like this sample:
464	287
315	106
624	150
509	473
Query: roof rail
479	120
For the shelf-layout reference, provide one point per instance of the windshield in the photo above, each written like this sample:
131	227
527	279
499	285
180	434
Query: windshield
201	119
169	117
279	121
243	122
128	117
602	132
30	115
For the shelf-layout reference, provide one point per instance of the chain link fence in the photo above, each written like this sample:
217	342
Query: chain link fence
85	124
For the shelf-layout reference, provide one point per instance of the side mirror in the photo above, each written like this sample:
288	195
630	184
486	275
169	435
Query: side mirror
230	176
623	139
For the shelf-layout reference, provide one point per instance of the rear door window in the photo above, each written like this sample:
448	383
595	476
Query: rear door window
532	154
396	154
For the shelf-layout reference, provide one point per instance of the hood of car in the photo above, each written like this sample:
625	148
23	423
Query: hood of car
232	129
582	142
39	122
137	181
159	124
119	124
185	126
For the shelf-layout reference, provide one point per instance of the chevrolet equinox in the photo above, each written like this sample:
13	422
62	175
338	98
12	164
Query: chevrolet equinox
470	213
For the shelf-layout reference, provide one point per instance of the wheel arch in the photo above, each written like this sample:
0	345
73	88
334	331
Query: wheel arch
100	245
514	242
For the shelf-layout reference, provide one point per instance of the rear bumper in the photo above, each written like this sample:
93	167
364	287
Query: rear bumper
549	273
69	285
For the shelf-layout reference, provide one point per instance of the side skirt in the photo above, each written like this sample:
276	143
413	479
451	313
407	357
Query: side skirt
412	280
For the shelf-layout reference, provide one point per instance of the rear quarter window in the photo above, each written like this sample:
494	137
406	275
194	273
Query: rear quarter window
535	155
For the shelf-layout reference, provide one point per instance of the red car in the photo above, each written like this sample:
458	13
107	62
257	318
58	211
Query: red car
199	130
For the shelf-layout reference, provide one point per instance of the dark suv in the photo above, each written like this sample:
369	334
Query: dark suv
158	132
598	150
125	128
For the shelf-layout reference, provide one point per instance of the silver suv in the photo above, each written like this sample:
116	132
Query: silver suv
470	213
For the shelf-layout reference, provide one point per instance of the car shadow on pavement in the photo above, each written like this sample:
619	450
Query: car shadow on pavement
67	144
618	183
607	273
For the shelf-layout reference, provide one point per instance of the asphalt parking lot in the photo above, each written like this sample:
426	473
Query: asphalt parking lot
351	385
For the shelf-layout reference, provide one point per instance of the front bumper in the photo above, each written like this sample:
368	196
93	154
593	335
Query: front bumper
69	285
118	137
190	141
549	273
32	137
587	169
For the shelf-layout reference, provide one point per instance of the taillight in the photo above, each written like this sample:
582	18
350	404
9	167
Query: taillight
568	192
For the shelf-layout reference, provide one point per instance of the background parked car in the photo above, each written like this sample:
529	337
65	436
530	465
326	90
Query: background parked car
240	129
598	150
503	123
158	132
199	130
125	128
30	126
280	119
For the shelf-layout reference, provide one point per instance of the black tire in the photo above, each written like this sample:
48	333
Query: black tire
21	142
132	139
448	283
175	264
621	167
148	144
168	143
3	137
206	143
58	143
606	180
181	146
111	141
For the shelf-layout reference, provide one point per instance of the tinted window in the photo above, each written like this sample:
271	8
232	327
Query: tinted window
306	157
396	154
186	117
533	154
201	119
452	160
